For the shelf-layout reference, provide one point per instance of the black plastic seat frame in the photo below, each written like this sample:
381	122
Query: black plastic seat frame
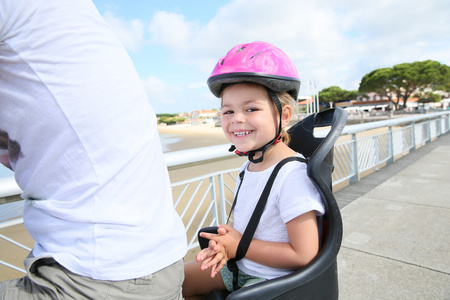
318	279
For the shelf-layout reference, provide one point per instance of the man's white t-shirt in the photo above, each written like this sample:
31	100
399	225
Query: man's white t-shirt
82	139
292	195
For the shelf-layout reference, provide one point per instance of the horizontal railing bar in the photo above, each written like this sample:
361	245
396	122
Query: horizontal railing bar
204	176
11	223
352	129
9	187
182	157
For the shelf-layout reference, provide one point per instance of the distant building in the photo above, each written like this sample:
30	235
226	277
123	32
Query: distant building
203	116
376	104
371	97
205	113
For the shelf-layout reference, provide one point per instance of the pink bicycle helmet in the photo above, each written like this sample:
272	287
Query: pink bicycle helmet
257	62
260	63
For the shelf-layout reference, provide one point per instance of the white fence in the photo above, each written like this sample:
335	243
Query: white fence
204	201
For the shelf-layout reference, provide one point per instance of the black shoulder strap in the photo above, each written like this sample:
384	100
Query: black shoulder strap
256	216
241	178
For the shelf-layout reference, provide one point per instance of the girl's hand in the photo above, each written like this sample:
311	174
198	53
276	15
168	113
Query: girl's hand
222	247
227	237
213	257
216	261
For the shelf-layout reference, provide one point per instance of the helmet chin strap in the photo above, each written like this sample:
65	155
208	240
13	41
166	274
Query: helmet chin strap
251	154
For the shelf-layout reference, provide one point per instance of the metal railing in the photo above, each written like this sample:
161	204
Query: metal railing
401	135
205	200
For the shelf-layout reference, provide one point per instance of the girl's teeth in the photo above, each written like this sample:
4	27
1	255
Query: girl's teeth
241	133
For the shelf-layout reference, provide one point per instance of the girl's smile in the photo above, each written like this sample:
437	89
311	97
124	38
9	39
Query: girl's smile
242	133
248	116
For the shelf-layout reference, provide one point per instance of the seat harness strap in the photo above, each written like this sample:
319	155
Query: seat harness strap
256	216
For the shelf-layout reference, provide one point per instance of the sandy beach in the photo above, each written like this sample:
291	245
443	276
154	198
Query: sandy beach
197	136
188	136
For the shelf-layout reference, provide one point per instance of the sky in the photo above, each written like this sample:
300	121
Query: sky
175	45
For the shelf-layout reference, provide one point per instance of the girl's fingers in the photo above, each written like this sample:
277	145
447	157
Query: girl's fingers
206	264
213	271
210	263
222	263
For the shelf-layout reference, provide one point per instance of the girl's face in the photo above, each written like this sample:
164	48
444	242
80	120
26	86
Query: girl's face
249	117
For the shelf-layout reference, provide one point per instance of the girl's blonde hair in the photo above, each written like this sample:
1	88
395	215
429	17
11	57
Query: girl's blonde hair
285	100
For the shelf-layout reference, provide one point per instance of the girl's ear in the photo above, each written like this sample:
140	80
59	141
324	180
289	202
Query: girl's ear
286	115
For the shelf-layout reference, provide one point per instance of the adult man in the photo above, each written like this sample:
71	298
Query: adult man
82	141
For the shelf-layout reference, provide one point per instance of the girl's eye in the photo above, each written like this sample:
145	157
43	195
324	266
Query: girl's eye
228	112
252	109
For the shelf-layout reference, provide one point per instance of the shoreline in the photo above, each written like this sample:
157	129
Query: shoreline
186	136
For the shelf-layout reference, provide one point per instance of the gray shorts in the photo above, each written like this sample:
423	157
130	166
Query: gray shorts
46	279
243	279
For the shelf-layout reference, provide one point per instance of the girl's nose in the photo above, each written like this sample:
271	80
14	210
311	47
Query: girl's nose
238	118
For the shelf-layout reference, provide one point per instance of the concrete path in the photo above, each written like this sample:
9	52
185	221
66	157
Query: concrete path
396	242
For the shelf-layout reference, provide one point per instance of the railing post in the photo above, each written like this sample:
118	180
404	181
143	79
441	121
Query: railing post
445	124
377	150
403	130
428	131
413	136
223	215
424	132
447	127
391	145
214	199
354	165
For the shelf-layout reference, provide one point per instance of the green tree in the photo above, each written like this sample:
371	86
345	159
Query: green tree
407	79
166	115
335	94
429	97
162	120
380	81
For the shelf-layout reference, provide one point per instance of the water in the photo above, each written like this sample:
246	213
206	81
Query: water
166	140
5	172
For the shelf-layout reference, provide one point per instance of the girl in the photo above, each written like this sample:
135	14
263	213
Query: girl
258	83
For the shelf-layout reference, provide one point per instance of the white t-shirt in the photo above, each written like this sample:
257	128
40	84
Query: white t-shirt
82	139
292	195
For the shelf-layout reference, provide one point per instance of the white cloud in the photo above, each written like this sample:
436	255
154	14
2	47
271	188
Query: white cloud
130	33
331	42
335	42
310	35
166	97
171	30
157	90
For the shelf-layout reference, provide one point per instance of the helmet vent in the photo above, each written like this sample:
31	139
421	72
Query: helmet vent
222	61
240	49
255	54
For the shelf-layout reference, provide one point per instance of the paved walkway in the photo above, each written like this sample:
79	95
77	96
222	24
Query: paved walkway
396	242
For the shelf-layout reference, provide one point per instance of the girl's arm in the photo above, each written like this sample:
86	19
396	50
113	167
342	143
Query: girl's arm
303	246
